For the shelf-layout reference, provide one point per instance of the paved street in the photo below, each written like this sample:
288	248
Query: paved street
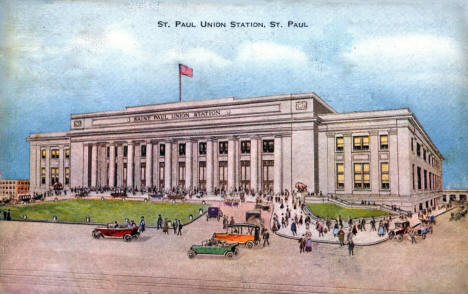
56	258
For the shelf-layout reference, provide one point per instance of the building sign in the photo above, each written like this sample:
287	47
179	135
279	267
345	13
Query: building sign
180	115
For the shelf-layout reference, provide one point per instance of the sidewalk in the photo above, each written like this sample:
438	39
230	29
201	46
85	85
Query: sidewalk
363	238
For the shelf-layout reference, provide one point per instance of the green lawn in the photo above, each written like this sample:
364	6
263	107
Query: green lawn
324	210
106	211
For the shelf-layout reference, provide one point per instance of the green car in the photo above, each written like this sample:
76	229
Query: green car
214	247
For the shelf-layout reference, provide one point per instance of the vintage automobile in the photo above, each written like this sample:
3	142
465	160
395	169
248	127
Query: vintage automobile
214	212
121	194
128	234
254	217
26	198
399	230
176	197
213	247
246	234
157	196
262	205
423	231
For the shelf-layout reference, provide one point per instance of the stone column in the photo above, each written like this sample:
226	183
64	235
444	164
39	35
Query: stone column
231	164
130	164
85	165
237	167
215	163
278	180
168	166
209	166
254	164
93	165
47	166
374	162
119	166
348	168
149	164
155	161
188	164
38	167
393	162
111	165
195	181
175	163
137	166
61	168
102	165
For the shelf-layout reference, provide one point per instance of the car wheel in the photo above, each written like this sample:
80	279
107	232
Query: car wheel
424	236
229	254
191	253
96	234
391	235
236	251
399	238
249	244
127	237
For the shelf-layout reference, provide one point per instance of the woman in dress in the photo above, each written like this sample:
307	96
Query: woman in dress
308	244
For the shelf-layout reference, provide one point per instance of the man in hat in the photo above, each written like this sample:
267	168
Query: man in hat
179	231
159	222
141	227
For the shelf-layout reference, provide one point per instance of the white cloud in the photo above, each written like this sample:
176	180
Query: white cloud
199	56
270	52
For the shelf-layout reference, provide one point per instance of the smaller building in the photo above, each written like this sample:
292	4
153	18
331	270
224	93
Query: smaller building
13	188
449	195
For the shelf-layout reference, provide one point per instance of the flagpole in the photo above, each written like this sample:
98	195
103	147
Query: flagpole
180	85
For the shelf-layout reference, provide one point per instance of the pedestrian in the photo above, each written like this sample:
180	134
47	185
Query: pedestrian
266	238
412	234
302	243
159	222
8	215
354	230
363	224
232	221
179	231
174	226
165	228
351	247
341	235
308	244
293	228
372	222
335	231
142	225
381	230
4	214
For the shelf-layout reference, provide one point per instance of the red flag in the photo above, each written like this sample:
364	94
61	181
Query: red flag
185	70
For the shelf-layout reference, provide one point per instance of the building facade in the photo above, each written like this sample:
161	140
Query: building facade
262	143
13	188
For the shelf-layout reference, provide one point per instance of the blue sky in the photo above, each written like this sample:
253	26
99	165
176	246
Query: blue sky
62	57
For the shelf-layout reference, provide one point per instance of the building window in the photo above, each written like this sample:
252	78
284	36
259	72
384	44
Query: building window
182	174
143	150
245	174
125	151
340	176
425	180
202	148
54	153
43	176
67	153
419	178
54	175
116	151
384	142
268	175
162	149
418	149
412	178
424	154
67	176
444	198
384	175
43	153
161	174
182	149
361	143
412	144
108	151
202	175
223	174
125	173
245	147
223	147
268	146
339	144
361	176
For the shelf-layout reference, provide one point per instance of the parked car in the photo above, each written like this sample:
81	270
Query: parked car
400	229
214	212
213	247
128	234
246	234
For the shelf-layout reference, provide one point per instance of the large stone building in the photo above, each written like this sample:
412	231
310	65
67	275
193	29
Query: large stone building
261	143
13	188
